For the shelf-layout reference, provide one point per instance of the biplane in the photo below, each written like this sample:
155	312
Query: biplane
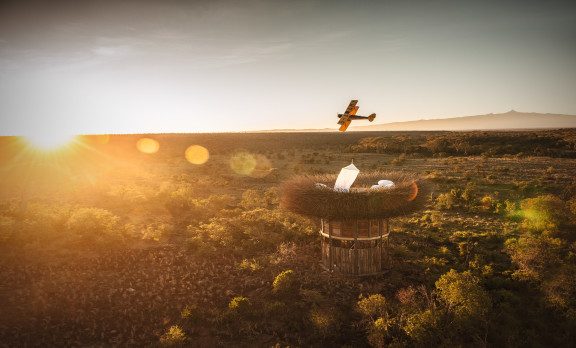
350	114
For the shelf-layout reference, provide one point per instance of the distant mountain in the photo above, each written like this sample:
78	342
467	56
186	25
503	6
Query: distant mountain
506	121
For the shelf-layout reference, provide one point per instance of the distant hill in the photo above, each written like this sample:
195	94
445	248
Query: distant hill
506	121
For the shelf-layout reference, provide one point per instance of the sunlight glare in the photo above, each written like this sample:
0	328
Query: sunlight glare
49	141
147	145
197	154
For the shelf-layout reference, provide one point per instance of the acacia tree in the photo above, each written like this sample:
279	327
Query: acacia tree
463	295
467	302
375	309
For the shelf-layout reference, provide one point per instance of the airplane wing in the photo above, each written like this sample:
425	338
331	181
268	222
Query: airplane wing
344	126
350	110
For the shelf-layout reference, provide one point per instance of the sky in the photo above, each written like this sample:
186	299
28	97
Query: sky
176	66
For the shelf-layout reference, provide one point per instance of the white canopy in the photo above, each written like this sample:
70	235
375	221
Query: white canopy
346	178
383	184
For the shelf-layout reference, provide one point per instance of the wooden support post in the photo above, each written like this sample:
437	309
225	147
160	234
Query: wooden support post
388	240
369	228
331	266
355	252
380	241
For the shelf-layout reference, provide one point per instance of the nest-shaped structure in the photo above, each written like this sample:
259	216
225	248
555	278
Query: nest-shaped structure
302	195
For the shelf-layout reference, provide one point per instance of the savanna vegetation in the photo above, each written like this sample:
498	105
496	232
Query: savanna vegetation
103	243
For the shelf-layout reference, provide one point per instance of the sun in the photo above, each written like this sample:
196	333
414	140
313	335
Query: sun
50	140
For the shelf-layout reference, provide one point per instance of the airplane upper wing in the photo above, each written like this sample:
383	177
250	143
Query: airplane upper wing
351	110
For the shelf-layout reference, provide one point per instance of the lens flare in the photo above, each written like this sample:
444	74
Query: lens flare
413	192
243	163
197	154
147	145
262	168
254	165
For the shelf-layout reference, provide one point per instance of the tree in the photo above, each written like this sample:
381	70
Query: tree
534	255
463	295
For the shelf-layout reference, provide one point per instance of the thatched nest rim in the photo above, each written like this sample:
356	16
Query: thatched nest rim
302	195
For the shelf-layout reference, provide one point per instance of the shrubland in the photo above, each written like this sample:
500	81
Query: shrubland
149	249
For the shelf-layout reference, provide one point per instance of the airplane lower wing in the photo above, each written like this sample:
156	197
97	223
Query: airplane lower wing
344	126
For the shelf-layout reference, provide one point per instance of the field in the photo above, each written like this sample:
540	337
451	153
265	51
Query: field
106	244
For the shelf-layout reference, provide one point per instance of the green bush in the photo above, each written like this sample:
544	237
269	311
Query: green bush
378	331
374	306
425	328
240	305
192	314
285	282
324	322
444	201
38	223
95	225
248	265
173	338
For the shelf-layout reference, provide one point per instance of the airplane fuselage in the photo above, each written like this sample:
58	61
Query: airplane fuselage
354	117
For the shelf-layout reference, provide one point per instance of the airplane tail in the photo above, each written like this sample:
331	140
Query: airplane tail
371	117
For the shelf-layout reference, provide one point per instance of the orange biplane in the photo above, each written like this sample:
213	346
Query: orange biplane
350	114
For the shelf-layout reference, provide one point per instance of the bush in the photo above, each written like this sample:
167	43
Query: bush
36	223
240	305
7	228
285	283
95	225
377	332
486	203
193	314
255	230
157	231
275	309
535	255
248	265
426	328
444	201
175	337
252	199
373	306
560	290
324	322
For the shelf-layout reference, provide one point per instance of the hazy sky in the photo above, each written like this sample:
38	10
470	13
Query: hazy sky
195	66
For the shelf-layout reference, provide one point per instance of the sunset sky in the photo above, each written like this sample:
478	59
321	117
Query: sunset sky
93	67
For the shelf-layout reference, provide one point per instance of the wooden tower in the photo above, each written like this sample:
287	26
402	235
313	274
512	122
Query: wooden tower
354	222
354	246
